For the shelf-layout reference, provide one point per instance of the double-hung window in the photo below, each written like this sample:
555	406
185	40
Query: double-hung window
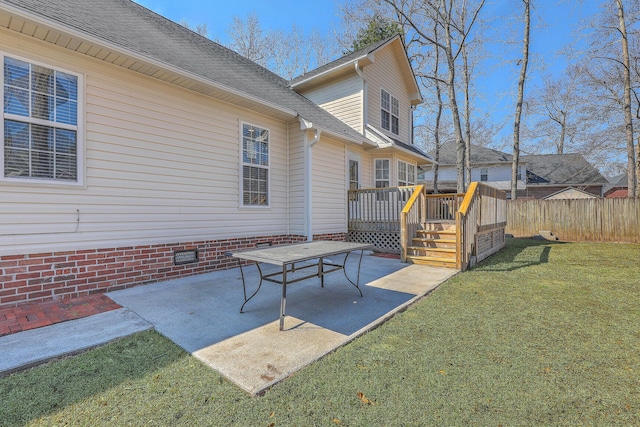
484	174
389	112
406	173
255	166
382	173
41	122
382	177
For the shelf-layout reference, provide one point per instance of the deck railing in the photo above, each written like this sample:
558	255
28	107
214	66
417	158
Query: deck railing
480	224
377	209
412	218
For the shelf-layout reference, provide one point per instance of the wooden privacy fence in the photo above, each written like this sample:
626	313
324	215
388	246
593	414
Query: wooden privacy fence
586	220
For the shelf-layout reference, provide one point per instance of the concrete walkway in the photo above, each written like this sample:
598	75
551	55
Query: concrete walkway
201	315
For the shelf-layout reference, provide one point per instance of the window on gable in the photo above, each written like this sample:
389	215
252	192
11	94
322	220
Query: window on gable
40	121
484	174
389	112
406	173
255	166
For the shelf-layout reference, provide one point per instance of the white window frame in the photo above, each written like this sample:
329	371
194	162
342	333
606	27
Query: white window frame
484	174
351	157
376	180
406	173
389	107
263	167
78	128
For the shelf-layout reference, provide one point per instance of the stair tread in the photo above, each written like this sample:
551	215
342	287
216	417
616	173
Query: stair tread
423	248
430	258
427	239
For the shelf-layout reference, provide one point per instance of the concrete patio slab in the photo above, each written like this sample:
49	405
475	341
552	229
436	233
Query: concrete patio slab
201	314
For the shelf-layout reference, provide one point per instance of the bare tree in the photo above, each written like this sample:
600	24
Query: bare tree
199	28
248	39
521	82
455	31
628	118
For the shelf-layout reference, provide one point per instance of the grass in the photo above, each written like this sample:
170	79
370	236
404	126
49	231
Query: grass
540	334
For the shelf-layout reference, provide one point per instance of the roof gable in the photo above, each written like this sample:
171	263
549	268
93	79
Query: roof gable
365	56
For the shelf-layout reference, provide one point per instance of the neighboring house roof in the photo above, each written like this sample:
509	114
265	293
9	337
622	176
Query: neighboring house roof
363	56
129	29
479	155
561	169
618	181
570	193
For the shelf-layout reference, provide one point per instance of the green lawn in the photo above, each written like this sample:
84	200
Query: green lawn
540	334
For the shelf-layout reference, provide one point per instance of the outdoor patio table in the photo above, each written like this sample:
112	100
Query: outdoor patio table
313	254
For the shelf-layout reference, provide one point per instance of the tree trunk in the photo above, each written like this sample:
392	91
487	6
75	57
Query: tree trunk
563	132
516	125
438	113
628	118
467	117
455	113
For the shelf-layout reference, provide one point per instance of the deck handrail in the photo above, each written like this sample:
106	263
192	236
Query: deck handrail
414	211
479	212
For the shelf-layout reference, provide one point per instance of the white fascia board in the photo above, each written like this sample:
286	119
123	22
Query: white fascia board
137	55
348	64
307	125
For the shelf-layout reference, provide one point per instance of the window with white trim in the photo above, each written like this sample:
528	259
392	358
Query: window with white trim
406	173
353	170
484	174
389	112
382	173
354	174
40	121
255	166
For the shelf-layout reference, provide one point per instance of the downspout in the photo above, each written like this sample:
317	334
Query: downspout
309	184
365	108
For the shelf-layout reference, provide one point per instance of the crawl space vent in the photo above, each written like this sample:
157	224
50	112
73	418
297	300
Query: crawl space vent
185	257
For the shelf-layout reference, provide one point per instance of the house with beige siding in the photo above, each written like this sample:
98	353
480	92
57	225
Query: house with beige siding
136	150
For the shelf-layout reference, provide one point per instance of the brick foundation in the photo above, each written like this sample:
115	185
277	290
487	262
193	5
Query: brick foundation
47	276
338	237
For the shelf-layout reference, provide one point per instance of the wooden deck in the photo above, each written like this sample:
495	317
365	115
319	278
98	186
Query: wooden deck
453	230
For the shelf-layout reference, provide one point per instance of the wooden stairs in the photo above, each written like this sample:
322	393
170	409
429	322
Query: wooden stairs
435	245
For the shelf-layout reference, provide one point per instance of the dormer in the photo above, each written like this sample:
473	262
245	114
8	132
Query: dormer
372	90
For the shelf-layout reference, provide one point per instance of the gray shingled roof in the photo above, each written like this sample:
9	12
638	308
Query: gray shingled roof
340	61
411	147
563	169
133	27
479	155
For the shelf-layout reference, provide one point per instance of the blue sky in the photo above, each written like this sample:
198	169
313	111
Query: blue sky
553	23
273	14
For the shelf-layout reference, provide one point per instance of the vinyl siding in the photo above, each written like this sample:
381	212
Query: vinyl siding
161	165
329	187
385	74
342	98
297	177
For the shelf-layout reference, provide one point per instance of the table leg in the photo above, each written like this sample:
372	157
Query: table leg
344	270
244	287
283	300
